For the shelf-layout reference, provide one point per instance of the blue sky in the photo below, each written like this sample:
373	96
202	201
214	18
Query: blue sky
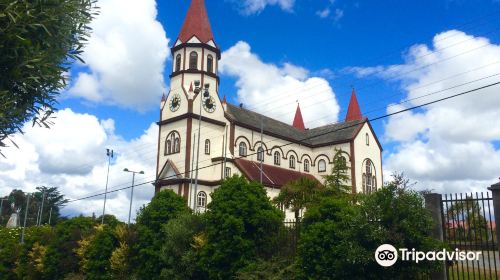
389	50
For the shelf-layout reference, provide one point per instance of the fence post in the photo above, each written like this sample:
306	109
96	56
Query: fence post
434	204
495	191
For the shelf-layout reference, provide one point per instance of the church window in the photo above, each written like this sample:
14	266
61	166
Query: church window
367	140
202	199
292	162
243	149
306	165
277	158
173	143
228	172
260	154
369	178
322	166
178	63
207	147
193	60
210	63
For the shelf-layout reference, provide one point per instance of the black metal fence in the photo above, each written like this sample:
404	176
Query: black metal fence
469	225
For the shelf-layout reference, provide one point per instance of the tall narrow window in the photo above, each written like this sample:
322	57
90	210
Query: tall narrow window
292	162
178	63
202	199
277	158
322	166
173	143
306	165
260	154
227	172
367	140
369	178
210	63
168	147
243	149
193	60
207	147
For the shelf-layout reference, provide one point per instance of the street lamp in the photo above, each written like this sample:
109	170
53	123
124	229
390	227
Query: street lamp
206	93
132	192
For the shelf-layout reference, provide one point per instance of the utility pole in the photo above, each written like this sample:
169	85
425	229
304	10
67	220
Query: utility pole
262	149
25	217
109	154
132	192
205	94
191	199
41	208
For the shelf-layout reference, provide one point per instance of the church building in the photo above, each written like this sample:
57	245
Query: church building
203	139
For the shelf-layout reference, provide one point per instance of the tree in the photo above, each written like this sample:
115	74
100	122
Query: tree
297	195
469	223
184	239
337	183
346	235
242	226
165	206
39	40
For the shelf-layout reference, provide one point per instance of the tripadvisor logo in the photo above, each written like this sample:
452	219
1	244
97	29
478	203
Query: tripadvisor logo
386	255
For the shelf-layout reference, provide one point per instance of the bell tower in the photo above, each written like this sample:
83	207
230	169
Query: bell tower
192	104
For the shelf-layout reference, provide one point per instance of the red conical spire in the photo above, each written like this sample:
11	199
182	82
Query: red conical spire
196	23
353	112
298	122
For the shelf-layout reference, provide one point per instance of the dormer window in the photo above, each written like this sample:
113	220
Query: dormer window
210	63
193	61
178	63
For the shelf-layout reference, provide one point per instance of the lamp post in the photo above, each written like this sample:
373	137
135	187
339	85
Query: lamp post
132	192
197	90
109	153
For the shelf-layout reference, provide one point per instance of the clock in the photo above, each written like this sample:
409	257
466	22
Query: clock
209	104
175	102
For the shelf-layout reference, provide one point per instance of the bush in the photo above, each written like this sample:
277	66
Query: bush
241	226
165	206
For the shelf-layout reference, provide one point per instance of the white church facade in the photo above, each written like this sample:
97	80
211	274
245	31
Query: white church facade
203	139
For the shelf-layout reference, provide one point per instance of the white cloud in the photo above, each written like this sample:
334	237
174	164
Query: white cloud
324	13
125	56
249	7
448	146
339	14
273	90
72	156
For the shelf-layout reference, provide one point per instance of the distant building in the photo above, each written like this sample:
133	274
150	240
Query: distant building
230	140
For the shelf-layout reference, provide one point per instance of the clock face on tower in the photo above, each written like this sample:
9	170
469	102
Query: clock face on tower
209	104
175	102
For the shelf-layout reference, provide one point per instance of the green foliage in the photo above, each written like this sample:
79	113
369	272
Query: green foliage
274	269
346	235
184	239
39	39
61	258
165	206
121	265
241	226
297	195
337	183
95	253
9	252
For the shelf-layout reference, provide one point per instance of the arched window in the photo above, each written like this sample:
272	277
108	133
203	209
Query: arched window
210	63
193	60
306	165
178	63
207	147
202	199
367	140
322	165
173	143
260	154
243	149
292	162
369	178
277	158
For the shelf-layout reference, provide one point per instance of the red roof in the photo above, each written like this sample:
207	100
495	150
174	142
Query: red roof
271	176
353	112
298	121
196	23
